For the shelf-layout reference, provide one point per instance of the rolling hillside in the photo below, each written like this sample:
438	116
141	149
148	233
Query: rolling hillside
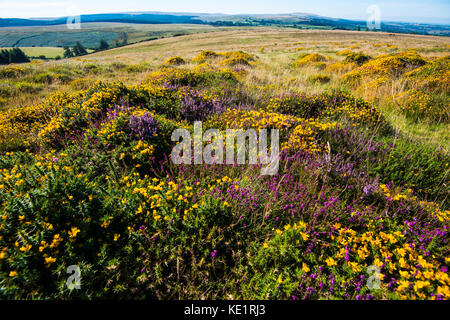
297	20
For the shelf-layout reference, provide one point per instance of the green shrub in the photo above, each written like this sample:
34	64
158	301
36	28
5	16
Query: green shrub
174	61
43	77
26	87
357	57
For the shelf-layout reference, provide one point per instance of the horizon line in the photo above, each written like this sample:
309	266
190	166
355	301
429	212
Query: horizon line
403	20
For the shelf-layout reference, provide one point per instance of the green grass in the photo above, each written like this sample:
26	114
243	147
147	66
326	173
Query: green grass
48	52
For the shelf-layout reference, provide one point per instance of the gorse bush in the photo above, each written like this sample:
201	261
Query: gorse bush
175	61
204	56
13	71
385	67
415	167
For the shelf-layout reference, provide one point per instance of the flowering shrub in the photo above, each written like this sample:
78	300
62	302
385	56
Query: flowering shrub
144	126
175	61
427	96
359	58
234	61
334	104
421	105
204	55
309	59
344	52
340	67
385	67
197	107
432	76
13	71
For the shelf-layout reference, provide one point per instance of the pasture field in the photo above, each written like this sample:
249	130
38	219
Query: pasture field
361	192
90	34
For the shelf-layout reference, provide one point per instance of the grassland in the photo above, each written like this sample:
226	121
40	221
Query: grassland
363	183
90	34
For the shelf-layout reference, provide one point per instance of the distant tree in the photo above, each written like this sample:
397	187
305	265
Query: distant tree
58	57
79	50
17	55
367	28
359	28
103	45
68	53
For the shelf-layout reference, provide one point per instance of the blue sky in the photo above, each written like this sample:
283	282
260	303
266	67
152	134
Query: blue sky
437	11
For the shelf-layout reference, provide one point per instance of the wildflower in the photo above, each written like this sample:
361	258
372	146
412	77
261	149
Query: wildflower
354	266
104	224
330	262
421	284
13	273
74	231
49	261
404	274
25	248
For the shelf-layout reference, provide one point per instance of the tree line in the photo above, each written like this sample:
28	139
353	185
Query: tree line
79	50
14	55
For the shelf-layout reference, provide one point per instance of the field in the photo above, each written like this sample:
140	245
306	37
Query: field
48	52
361	192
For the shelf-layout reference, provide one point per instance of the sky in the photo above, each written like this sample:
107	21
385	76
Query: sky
428	11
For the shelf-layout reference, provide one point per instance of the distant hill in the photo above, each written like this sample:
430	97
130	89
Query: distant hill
296	20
